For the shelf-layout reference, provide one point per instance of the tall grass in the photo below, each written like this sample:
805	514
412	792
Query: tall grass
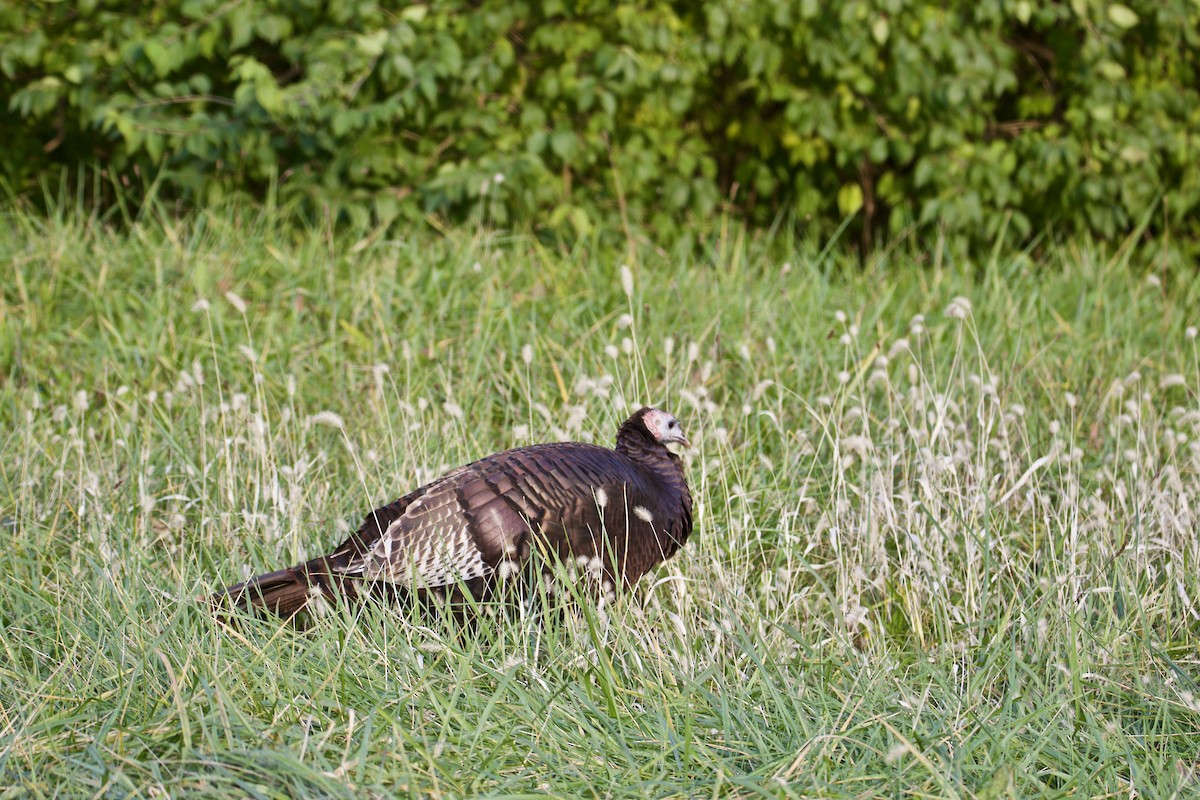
945	543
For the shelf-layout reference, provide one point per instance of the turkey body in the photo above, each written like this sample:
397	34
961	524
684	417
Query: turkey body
505	520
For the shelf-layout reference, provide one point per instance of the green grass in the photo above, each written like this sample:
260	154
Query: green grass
949	556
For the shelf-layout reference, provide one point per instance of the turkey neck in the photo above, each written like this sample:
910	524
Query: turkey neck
638	446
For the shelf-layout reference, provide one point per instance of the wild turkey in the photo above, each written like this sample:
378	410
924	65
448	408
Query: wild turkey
505	520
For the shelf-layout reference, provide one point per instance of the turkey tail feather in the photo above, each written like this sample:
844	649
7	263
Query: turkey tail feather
284	592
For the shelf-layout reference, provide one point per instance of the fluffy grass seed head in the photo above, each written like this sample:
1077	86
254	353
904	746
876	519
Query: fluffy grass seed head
239	305
329	419
627	280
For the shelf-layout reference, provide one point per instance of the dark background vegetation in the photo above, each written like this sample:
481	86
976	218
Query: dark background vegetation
994	120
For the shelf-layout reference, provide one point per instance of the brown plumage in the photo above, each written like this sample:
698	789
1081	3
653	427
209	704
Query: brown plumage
619	513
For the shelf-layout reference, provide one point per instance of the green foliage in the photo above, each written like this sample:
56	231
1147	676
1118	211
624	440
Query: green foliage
990	117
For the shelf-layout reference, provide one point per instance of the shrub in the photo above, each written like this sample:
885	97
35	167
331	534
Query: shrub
988	117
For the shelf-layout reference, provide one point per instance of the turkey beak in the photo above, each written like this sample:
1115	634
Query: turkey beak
683	440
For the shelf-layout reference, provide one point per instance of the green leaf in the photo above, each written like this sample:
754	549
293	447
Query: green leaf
1133	154
129	132
372	44
208	40
880	30
267	93
562	144
158	57
1111	70
241	26
580	222
1122	16
274	27
414	13
154	146
850	199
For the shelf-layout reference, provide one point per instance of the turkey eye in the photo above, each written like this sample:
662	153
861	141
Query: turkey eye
672	424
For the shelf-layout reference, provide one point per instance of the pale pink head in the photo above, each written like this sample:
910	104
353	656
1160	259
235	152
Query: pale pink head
664	427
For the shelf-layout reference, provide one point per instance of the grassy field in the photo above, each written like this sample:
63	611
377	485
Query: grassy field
946	540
